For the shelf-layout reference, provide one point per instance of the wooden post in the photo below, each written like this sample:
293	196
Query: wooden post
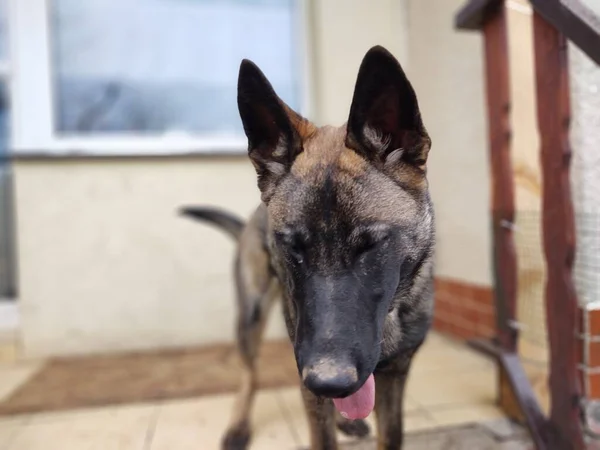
502	195
502	188
515	395
553	112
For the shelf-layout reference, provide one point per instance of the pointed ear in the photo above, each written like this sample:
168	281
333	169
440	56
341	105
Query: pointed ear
385	123
275	132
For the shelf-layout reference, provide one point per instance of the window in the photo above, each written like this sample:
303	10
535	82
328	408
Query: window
147	76
7	262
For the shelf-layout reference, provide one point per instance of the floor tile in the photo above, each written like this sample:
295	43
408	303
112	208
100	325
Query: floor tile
441	387
418	422
201	423
449	384
9	429
504	429
8	352
464	415
122	428
439	353
14	375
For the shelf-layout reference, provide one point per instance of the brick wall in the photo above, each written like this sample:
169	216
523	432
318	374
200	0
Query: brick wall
589	361
464	310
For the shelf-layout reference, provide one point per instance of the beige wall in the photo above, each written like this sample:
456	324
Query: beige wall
106	265
343	32
446	68
104	262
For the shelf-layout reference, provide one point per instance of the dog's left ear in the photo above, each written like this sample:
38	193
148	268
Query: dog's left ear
385	123
275	132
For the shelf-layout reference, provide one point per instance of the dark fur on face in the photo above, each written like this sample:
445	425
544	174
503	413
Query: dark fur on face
345	232
348	213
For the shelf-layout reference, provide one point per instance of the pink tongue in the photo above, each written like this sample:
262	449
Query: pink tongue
360	404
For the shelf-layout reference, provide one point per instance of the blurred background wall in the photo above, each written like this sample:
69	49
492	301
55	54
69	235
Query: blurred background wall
105	264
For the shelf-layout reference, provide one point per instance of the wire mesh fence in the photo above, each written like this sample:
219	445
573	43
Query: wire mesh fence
531	308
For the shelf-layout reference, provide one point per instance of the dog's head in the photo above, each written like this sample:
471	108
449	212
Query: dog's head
349	215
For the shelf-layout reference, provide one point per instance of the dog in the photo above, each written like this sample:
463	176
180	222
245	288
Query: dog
344	236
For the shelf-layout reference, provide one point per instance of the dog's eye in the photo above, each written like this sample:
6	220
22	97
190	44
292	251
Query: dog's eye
368	243
296	251
365	245
294	247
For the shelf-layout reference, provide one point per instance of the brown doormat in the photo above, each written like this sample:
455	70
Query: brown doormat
81	382
463	437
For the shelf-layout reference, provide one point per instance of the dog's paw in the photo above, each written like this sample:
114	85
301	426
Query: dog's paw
356	428
237	438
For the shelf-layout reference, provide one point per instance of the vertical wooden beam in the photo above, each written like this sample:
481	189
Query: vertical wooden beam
553	112
502	189
515	395
504	262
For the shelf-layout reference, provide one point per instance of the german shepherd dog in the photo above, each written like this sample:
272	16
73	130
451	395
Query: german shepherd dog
344	236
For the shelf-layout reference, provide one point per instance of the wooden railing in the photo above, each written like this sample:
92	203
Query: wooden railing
554	22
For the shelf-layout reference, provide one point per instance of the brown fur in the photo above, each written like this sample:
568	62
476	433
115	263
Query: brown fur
358	193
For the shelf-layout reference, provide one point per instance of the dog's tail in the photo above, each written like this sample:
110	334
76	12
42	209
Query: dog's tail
225	221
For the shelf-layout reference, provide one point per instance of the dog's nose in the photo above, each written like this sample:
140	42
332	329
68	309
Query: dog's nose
330	379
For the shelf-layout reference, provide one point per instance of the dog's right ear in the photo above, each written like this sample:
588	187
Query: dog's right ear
385	123
275	132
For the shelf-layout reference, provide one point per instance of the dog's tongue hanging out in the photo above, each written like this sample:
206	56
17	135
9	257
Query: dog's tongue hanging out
360	404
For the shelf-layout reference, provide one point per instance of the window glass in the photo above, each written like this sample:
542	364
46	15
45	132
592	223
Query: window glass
166	66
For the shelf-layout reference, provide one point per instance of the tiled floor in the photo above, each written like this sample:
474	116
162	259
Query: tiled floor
449	385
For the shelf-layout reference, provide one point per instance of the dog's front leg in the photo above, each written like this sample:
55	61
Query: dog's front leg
321	421
389	403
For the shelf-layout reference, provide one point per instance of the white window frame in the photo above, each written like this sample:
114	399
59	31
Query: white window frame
31	88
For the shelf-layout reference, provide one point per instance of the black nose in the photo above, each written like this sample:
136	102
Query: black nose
328	379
